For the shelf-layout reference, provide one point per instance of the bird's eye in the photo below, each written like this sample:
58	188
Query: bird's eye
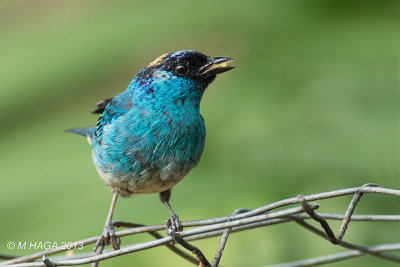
181	69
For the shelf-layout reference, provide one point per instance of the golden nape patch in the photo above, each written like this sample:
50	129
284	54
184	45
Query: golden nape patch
157	60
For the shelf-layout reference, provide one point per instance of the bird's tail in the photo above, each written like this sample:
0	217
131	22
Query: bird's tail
89	132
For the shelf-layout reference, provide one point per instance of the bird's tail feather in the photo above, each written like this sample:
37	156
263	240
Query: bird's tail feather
89	132
80	131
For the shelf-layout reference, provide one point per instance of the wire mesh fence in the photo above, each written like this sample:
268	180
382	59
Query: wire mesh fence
292	210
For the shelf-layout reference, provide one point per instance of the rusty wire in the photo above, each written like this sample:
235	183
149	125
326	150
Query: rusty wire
240	220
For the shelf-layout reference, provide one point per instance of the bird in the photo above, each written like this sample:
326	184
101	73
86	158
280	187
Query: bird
148	137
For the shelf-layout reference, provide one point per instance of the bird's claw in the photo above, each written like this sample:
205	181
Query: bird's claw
108	237
174	224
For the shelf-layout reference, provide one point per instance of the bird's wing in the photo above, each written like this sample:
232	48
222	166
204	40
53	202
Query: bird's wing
110	109
91	131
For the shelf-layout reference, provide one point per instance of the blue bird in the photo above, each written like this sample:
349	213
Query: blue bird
150	136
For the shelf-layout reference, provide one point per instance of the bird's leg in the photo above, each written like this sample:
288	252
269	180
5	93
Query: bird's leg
108	236
173	223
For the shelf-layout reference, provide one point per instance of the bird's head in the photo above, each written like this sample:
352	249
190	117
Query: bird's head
181	75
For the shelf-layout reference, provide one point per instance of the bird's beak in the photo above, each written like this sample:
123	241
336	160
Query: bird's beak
216	65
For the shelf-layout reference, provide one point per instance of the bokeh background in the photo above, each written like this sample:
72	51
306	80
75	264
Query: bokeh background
312	106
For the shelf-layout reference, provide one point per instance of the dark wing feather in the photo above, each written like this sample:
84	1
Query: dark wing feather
101	105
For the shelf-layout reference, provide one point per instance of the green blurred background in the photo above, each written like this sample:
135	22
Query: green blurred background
312	106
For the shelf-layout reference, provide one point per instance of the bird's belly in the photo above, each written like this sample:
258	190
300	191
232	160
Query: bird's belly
151	180
144	157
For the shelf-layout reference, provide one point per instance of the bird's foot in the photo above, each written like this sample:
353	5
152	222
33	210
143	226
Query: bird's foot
108	237
174	224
